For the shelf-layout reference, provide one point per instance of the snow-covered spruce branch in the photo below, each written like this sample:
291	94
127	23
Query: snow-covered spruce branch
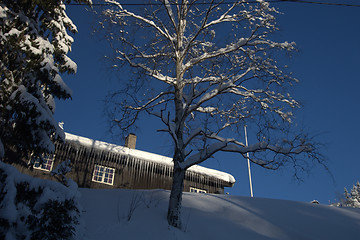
34	43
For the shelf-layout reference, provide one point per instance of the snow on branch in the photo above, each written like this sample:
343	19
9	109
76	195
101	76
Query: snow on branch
225	17
170	12
151	72
219	52
222	86
124	12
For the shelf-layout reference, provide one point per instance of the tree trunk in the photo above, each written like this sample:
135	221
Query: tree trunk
174	209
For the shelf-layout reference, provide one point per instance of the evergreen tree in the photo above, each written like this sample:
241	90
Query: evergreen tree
34	43
352	199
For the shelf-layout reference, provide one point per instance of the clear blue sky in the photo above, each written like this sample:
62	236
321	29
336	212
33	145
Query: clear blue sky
327	64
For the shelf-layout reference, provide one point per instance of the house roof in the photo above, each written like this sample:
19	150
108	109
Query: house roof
147	156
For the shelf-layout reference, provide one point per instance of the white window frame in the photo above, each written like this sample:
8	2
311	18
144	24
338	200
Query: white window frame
197	190
48	160
99	175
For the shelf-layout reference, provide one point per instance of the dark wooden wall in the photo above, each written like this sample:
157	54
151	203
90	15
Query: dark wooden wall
130	172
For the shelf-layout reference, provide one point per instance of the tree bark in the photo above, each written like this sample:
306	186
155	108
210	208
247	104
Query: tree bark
174	210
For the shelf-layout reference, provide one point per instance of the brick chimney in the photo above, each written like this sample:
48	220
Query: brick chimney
130	141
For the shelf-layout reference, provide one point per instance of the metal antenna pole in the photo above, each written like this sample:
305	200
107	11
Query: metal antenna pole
247	154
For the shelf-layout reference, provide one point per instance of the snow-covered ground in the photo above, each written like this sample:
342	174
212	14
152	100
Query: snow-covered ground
134	214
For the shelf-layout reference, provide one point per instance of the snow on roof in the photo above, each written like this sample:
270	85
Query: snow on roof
147	156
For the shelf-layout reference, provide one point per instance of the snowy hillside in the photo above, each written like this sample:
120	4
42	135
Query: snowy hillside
106	214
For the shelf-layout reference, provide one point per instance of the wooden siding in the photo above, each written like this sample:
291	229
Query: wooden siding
130	172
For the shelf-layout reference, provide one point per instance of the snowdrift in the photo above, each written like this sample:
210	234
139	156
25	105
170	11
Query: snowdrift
135	214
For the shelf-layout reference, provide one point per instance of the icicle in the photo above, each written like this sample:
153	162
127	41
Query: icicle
104	155
163	172
68	154
151	167
127	162
86	155
98	155
169	169
114	158
137	169
58	150
142	167
109	157
117	158
147	174
72	152
77	156
80	156
130	166
134	168
91	155
143	175
120	159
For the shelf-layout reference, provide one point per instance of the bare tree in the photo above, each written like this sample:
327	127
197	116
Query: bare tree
206	68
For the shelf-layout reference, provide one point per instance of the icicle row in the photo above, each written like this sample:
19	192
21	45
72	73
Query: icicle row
143	172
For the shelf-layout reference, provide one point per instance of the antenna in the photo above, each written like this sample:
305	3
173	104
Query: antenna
247	154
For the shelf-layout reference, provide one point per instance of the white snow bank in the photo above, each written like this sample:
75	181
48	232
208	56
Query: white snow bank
208	216
146	156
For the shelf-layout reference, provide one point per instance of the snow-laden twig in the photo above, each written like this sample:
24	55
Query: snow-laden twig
125	12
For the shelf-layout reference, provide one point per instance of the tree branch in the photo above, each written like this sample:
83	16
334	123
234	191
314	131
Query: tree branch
125	12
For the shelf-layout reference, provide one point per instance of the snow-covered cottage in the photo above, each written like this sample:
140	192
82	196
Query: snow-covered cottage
98	164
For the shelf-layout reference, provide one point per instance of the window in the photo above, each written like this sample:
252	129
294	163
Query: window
196	190
103	175
47	162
